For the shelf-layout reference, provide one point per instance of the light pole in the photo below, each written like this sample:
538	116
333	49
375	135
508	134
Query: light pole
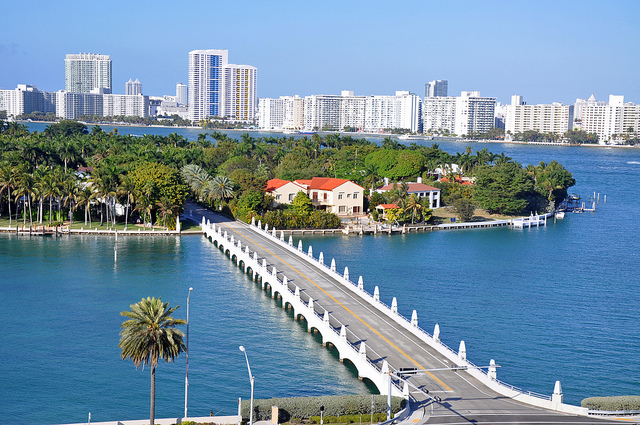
186	376
251	379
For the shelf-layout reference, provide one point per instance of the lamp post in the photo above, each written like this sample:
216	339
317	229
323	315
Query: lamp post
186	376
251	379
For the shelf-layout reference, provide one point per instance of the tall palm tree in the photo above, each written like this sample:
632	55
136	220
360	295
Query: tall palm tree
414	205
150	335
85	197
126	189
221	188
7	181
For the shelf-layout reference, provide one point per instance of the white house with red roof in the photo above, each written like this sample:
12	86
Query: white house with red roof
283	191
338	196
419	189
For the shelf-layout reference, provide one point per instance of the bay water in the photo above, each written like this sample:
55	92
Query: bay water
559	302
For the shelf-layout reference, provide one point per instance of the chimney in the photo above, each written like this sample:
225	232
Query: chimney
386	181
419	180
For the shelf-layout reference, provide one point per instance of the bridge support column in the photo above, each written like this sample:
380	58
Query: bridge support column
557	398
462	352
492	374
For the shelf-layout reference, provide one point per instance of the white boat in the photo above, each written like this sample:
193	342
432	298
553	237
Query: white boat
414	137
560	214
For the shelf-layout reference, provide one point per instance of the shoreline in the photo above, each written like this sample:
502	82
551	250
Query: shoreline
343	133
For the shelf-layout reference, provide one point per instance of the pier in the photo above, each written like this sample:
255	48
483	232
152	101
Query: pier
391	351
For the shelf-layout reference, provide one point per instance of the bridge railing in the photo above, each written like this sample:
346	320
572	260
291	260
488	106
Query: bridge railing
450	353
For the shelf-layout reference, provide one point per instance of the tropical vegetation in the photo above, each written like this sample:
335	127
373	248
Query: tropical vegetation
149	335
71	174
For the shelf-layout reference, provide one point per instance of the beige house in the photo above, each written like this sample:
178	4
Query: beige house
283	191
420	189
339	196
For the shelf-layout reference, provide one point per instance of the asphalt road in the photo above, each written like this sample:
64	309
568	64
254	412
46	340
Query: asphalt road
464	400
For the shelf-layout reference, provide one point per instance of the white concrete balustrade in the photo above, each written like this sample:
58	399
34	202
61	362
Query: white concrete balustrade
337	335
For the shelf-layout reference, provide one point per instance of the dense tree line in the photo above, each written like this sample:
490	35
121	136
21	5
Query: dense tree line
152	176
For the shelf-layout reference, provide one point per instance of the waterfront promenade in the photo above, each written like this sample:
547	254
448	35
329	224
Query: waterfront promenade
375	338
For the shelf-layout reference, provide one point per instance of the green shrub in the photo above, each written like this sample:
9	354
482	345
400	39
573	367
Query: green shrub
306	407
625	402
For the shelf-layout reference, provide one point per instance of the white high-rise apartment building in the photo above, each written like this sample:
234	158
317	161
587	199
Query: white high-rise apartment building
460	115
554	118
611	119
26	99
322	112
206	86
240	86
367	113
285	113
401	111
293	112
133	87
436	88
270	114
439	114
85	72
182	94
474	113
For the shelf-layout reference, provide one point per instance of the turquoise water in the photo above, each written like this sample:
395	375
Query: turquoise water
554	303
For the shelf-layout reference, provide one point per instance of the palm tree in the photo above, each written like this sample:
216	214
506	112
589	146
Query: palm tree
84	199
7	181
414	205
126	189
220	187
150	335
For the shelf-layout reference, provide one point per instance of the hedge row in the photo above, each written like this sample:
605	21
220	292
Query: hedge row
306	407
611	404
291	219
349	419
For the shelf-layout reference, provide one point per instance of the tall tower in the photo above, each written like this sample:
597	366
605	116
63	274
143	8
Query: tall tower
240	85
181	94
436	88
87	71
133	87
206	87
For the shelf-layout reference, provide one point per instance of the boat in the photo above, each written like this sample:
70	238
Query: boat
289	132
414	137
560	214
308	133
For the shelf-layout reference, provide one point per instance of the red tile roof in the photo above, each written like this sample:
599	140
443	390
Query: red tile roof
274	184
413	187
387	206
323	183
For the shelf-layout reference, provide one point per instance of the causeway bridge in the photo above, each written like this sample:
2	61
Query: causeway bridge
391	351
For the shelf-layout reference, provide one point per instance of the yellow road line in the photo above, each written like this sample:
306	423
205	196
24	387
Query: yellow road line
352	313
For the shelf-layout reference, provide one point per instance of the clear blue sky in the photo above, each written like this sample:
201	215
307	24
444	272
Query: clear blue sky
544	50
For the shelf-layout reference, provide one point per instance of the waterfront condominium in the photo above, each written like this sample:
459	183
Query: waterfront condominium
554	118
206	85
240	84
85	72
460	115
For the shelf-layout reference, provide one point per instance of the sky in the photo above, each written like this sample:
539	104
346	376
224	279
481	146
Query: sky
546	51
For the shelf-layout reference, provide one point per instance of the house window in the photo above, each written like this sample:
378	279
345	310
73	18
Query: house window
278	196
291	196
340	195
356	210
355	195
342	209
315	196
326	196
348	196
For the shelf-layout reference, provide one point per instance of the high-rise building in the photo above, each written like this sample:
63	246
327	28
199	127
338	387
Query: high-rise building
206	83
460	115
612	119
133	87
241	97
554	118
181	94
85	72
436	88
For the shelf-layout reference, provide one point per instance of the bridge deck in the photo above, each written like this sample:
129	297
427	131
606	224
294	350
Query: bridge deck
464	398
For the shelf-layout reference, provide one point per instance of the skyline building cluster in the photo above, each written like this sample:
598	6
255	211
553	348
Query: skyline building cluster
220	89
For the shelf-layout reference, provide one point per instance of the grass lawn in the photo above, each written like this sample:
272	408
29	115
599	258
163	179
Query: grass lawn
186	225
444	215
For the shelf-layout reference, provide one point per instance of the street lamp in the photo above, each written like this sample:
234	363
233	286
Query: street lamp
186	376
251	379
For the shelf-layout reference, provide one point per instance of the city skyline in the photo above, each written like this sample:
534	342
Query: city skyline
545	51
